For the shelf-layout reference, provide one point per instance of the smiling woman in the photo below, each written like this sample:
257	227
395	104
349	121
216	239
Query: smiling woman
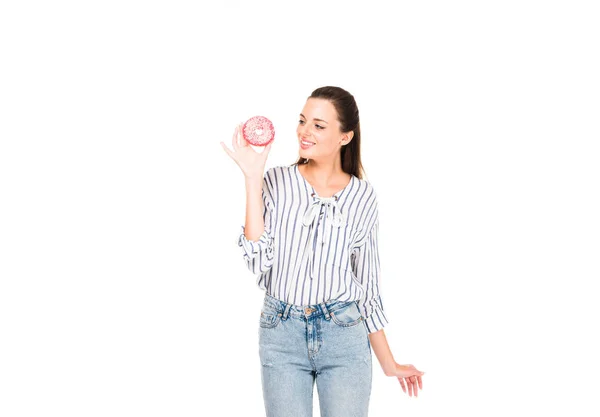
311	236
329	124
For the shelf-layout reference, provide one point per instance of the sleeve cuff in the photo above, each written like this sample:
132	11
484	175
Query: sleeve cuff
253	248
376	321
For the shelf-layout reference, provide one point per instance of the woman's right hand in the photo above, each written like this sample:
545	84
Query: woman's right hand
251	162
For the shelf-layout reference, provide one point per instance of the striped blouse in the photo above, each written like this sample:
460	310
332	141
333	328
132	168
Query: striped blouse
315	249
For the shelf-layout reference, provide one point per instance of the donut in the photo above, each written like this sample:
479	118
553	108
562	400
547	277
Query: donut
258	131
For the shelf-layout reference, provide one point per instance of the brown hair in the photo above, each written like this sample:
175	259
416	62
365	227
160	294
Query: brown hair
347	112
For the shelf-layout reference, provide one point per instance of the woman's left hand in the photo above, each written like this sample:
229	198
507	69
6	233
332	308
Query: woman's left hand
409	376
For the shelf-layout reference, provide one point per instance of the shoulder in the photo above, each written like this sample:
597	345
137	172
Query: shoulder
369	210
366	190
276	177
368	185
370	205
278	171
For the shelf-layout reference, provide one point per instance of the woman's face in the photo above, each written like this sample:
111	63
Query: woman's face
318	124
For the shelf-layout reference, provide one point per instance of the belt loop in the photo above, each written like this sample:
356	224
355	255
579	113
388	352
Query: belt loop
286	311
325	311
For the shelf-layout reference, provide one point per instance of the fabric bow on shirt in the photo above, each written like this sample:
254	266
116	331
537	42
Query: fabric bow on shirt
333	214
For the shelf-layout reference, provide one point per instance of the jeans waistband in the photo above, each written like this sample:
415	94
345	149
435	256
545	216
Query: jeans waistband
313	310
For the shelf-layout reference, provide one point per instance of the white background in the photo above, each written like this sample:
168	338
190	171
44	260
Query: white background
123	291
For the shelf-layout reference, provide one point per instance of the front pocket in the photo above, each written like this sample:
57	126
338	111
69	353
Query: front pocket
269	321
347	316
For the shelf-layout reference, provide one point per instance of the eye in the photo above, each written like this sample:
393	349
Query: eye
300	121
319	127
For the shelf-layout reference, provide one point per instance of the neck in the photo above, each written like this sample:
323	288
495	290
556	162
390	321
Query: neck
324	173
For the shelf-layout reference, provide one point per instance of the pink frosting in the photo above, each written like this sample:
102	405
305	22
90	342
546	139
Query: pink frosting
258	131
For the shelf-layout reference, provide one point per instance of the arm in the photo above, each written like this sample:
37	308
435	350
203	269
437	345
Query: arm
407	375
255	237
367	269
382	351
255	224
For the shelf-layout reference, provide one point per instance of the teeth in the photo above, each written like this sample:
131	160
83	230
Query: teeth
307	143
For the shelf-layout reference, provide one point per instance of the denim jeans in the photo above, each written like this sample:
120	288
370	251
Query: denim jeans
327	343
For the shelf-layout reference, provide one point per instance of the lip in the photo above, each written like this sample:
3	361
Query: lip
303	146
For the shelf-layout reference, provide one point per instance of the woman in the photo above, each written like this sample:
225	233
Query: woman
311	234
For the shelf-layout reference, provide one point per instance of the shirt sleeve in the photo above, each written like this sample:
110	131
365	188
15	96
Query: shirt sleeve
258	254
367	270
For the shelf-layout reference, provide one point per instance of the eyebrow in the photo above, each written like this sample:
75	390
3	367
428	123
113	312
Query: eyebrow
314	118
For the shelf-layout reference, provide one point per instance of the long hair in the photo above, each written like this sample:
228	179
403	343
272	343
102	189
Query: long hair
347	114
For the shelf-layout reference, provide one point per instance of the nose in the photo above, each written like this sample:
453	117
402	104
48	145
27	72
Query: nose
304	131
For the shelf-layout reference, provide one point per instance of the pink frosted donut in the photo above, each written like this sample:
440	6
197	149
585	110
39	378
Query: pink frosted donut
258	131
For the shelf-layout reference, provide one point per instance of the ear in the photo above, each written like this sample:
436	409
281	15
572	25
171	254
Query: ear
347	138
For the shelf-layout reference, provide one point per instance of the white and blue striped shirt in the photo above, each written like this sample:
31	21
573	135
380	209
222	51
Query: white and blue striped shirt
315	249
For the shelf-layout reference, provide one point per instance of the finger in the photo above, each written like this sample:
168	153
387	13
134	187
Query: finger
402	384
420	382
227	149
243	141
234	139
267	149
414	384
409	387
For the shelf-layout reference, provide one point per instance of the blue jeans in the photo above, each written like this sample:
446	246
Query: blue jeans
327	343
